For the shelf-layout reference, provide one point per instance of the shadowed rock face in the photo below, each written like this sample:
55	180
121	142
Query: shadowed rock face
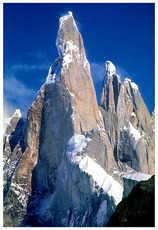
13	147
66	145
138	209
15	203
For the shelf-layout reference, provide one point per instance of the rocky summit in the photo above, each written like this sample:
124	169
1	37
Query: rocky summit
65	164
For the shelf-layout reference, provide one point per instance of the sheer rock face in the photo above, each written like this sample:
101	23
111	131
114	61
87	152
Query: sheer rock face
66	145
12	148
70	107
54	191
13	134
75	75
127	121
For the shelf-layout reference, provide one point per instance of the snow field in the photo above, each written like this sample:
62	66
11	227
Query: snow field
75	155
137	176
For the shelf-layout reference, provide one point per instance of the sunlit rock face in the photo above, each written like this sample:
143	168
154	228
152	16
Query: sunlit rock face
127	122
66	105
70	169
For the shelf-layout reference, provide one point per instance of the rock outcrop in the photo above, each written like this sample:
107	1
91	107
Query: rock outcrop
130	180
138	208
13	147
20	187
73	154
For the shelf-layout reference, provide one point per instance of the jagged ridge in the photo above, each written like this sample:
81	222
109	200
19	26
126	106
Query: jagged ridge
68	140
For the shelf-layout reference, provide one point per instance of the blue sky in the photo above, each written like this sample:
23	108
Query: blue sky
122	33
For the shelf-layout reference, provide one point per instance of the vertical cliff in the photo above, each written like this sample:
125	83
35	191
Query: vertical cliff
127	122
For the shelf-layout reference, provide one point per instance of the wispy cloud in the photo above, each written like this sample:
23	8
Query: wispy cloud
39	61
16	95
26	67
97	71
8	110
38	54
122	73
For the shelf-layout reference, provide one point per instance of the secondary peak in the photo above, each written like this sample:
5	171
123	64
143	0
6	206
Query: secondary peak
109	68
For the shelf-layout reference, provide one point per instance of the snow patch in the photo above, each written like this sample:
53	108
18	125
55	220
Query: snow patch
54	72
109	68
125	128
51	77
84	219
22	193
104	181
100	114
17	113
133	84
137	176
133	114
60	43
102	212
76	146
135	135
127	80
68	54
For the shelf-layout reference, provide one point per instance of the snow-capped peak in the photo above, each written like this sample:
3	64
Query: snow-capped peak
70	13
133	84
109	68
65	17
64	21
17	113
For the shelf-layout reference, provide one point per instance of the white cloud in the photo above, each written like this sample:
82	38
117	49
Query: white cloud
16	96
8	111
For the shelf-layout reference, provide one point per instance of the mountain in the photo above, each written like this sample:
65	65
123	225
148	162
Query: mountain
13	145
73	154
